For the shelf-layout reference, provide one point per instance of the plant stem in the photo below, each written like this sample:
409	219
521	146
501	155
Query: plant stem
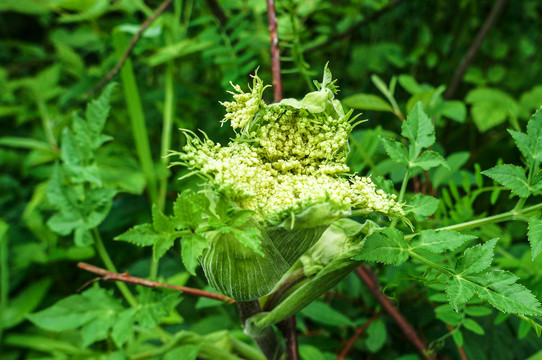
267	340
401	193
137	118
102	252
428	262
509	215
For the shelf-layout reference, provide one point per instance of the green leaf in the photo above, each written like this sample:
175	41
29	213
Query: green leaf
428	160
535	235
25	302
396	151
501	291
154	305
162	244
387	246
324	314
367	102
490	107
422	206
123	327
188	209
94	311
477	258
419	129
140	235
473	326
160	222
184	352
459	291
192	247
251	237
376	335
511	177
439	241
457	335
446	314
96	114
478	310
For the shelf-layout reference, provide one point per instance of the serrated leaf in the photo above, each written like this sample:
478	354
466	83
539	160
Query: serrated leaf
534	131
192	247
511	177
535	235
122	329
140	235
94	310
501	291
154	305
428	160
419	129
160	222
387	246
162	244
439	241
422	206
188	209
96	113
459	291
324	314
477	258
395	150
251	237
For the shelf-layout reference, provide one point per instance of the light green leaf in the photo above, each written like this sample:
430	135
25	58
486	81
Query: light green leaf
184	352
162	244
534	131
376	335
387	246
154	305
140	235
188	209
324	314
478	310
422	206
459	291
396	151
367	102
490	107
94	310
473	326
192	247
457	335
501	291
428	160
96	114
122	329
439	241
448	315
476	259
511	177
250	237
535	235
419	129
160	222
454	110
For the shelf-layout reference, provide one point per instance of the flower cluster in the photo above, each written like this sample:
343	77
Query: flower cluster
286	159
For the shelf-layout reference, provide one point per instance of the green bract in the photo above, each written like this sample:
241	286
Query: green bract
287	164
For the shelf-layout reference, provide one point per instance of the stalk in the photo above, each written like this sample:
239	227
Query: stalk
104	255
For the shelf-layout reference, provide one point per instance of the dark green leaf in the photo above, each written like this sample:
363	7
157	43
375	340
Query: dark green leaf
428	160
473	326
376	335
396	151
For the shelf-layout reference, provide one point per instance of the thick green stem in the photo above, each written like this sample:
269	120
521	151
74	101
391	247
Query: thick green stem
267	340
102	252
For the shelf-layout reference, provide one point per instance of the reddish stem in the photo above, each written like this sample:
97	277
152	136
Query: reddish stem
356	336
275	54
111	276
369	279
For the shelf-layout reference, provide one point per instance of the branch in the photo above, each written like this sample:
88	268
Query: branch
275	54
130	47
473	49
368	278
288	328
112	276
356	336
353	28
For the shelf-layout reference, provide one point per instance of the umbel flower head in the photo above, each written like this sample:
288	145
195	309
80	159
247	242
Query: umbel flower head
287	163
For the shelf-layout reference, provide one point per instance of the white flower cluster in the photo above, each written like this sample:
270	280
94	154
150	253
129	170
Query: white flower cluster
293	158
245	105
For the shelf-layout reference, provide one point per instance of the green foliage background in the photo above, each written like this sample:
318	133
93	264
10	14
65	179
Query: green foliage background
71	181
